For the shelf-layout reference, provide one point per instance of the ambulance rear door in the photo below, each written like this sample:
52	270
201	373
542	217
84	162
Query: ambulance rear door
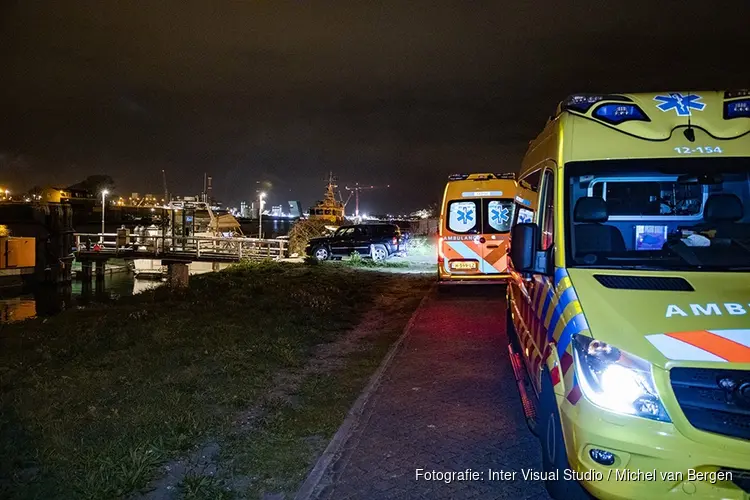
461	240
497	217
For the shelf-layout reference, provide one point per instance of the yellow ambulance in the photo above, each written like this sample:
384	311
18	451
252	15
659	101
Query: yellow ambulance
475	221
629	302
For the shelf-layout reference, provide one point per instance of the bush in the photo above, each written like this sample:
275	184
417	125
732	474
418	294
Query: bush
356	260
302	232
421	246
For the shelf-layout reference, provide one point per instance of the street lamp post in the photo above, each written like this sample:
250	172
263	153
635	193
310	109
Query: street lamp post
260	215
104	194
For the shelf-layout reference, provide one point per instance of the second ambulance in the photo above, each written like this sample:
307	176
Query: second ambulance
475	222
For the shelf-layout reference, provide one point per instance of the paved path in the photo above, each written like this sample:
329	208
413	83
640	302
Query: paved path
447	402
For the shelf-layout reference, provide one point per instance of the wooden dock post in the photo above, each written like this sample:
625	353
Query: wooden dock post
86	271
100	267
178	274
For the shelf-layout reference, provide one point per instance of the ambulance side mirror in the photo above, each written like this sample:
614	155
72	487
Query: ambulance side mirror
523	243
524	250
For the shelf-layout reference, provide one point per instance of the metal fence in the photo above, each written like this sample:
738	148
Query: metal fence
425	227
203	248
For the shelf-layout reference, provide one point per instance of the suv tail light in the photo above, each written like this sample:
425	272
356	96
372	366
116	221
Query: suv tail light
395	240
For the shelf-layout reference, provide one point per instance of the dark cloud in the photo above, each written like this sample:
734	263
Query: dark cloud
398	93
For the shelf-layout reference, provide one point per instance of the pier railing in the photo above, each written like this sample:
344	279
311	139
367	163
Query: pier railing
196	248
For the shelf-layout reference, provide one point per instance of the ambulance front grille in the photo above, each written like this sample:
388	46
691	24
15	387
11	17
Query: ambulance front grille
714	400
661	284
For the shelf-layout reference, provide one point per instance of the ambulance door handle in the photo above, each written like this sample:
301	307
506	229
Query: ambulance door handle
492	246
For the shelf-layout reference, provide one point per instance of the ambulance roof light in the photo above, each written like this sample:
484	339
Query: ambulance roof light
731	94
458	177
482	177
620	113
583	102
737	109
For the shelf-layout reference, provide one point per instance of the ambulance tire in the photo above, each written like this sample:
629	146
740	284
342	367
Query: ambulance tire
554	455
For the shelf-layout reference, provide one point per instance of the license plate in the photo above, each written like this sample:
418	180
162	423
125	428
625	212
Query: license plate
464	265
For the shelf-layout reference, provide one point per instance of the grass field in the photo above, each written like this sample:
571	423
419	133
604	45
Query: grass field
235	384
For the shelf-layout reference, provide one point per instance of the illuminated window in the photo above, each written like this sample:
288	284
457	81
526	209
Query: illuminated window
498	216
463	216
525	216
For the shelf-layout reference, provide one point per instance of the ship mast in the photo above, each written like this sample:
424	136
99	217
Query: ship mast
330	194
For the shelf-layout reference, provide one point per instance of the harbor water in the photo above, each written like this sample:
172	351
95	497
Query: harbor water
45	301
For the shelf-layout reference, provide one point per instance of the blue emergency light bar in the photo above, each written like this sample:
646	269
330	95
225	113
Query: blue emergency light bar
620	113
737	109
583	102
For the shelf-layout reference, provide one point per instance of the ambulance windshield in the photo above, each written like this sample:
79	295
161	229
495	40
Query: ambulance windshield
677	214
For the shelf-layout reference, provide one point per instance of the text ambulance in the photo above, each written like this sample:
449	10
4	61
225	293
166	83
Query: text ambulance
630	292
475	222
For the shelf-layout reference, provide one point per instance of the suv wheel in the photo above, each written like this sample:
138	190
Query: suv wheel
379	253
321	253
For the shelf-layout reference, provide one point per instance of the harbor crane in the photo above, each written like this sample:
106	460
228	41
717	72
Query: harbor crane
164	180
355	190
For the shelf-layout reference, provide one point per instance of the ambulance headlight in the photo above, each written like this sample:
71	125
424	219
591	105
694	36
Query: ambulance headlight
615	380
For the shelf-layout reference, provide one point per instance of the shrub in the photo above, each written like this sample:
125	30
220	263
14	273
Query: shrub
302	232
421	246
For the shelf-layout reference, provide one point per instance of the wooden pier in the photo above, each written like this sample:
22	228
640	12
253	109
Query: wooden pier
93	250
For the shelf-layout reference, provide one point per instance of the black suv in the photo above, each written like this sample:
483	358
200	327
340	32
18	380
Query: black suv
377	241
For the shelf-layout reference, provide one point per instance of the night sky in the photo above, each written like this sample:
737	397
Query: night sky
401	93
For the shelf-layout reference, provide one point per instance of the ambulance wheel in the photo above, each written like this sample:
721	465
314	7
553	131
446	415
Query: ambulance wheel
554	455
